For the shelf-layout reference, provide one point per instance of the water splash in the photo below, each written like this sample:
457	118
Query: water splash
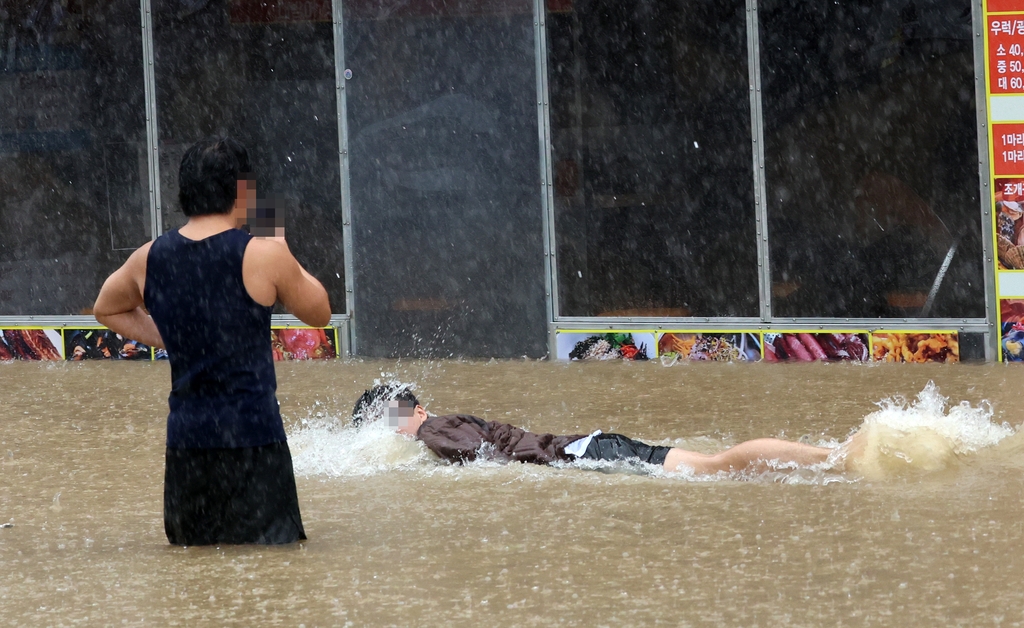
327	448
375	409
901	438
924	436
330	446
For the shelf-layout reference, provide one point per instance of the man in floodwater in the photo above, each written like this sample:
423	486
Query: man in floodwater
461	438
205	292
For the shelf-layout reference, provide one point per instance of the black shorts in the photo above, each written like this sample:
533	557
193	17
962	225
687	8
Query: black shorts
618	447
231	496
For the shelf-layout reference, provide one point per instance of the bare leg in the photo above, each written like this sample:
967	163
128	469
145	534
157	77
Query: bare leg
753	454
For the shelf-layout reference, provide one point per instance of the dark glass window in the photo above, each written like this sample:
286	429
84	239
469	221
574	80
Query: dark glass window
446	213
871	158
73	173
263	72
650	117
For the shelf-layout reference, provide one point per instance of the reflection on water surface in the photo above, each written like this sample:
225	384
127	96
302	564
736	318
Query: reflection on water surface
411	542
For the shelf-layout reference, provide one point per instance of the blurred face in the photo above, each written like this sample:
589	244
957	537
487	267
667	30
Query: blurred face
245	201
404	416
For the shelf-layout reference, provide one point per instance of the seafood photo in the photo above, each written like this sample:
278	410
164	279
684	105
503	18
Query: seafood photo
302	344
29	344
910	347
807	347
1009	224
1011	318
1013	342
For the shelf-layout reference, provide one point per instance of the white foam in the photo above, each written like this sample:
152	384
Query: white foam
968	429
325	447
331	446
923	436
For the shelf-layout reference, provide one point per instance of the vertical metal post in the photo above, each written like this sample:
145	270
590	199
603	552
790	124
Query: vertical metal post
580	69
985	178
764	274
343	337
152	131
546	176
346	195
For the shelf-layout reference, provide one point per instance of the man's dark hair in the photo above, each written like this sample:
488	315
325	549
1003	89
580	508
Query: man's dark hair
209	175
370	406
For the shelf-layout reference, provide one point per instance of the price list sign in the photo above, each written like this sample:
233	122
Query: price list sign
1006	53
1007	149
1004	83
1005	50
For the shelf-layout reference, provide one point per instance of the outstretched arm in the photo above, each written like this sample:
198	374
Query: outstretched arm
120	302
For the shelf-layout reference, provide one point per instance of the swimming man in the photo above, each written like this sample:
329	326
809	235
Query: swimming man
462	438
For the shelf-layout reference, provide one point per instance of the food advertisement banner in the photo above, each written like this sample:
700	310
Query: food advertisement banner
304	343
710	346
605	345
1011	324
99	343
816	346
673	346
30	344
1004	89
919	347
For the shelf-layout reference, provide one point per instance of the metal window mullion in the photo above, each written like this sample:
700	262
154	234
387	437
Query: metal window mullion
546	188
984	176
290	320
579	71
764	275
341	101
152	130
700	324
48	321
548	152
908	323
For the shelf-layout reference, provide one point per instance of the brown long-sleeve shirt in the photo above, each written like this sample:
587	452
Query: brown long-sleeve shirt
462	438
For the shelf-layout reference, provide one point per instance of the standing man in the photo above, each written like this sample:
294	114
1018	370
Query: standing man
205	292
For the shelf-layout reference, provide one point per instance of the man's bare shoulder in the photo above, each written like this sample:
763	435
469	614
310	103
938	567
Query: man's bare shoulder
142	252
268	249
136	263
267	257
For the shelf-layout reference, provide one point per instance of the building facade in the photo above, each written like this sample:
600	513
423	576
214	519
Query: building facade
727	179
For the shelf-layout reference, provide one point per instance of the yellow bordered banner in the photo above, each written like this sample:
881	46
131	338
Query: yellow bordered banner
94	342
915	346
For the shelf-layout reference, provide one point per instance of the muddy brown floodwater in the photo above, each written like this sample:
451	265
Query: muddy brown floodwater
411	542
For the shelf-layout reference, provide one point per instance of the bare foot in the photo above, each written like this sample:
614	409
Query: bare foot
850	452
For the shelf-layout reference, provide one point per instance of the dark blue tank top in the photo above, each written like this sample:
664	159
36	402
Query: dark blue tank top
218	342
